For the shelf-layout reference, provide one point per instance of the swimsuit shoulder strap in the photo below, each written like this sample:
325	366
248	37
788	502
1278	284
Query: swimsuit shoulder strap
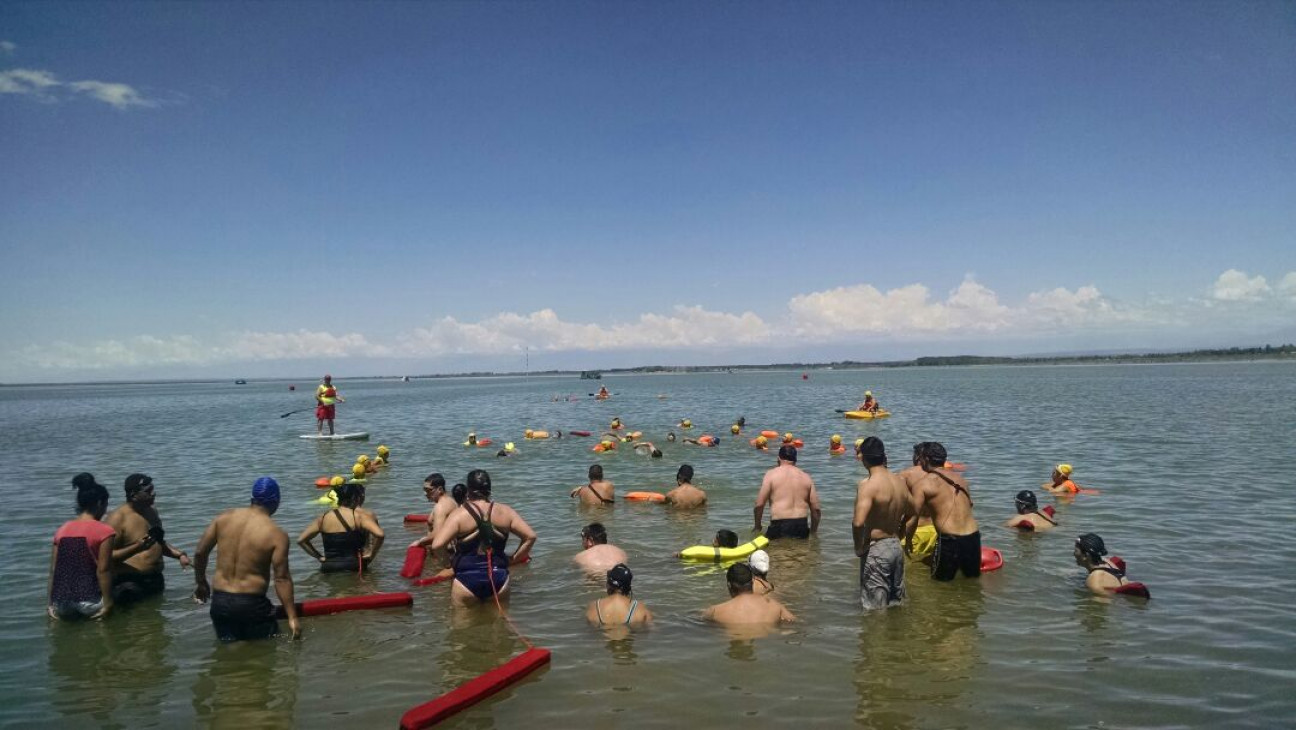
633	605
338	514
598	609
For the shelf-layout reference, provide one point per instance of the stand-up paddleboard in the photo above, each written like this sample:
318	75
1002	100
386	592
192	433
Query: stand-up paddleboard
358	436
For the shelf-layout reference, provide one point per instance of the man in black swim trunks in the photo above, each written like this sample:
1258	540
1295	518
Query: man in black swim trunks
140	575
791	495
945	493
249	547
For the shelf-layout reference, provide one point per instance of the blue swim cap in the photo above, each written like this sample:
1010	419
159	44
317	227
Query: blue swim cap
265	491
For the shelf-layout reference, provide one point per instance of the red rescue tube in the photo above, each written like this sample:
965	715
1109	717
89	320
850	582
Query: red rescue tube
579	433
1048	510
1138	590
415	557
1025	526
474	690
416	517
323	483
325	606
991	559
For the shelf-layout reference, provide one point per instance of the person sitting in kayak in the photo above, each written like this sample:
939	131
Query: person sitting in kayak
1062	483
870	405
603	392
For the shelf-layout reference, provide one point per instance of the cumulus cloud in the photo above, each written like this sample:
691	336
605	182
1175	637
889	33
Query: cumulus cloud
864	309
45	86
1236	286
1288	284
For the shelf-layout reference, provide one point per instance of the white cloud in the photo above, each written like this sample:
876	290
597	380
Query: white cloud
1288	284
302	344
44	85
1236	286
8	48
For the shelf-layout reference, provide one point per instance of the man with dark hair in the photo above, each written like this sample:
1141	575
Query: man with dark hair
596	555
250	547
882	503
597	491
958	542
791	495
140	575
745	607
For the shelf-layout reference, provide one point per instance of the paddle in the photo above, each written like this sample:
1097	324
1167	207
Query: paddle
594	394
299	410
839	410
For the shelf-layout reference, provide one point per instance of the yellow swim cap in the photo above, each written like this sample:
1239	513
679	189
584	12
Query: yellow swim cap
508	446
606	443
528	433
687	422
358	471
337	481
859	443
867	393
1064	469
836	438
734	428
762	440
362	458
384	450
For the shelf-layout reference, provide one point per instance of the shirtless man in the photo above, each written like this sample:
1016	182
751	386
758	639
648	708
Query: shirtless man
596	555
745	607
882	503
790	493
597	492
442	505
923	543
685	495
1029	517
249	547
140	575
958	541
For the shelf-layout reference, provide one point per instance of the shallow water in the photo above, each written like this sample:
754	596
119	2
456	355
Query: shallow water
1174	448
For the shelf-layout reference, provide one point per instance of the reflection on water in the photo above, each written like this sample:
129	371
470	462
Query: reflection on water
247	684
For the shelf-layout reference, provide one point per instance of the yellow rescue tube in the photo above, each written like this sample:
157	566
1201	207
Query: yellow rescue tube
537	434
710	554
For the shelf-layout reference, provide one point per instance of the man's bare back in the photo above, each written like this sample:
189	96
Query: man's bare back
749	609
882	502
945	494
248	543
600	558
595	493
686	496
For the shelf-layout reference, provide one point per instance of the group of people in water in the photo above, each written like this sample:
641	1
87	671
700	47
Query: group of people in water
923	512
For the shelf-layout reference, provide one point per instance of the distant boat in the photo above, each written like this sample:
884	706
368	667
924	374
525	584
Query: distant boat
591	375
240	381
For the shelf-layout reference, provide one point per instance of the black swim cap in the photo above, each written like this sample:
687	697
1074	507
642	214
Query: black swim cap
1092	545
788	453
136	482
619	578
1026	498
685	473
873	452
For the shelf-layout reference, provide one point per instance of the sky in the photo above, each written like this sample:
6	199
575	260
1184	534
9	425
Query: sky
276	189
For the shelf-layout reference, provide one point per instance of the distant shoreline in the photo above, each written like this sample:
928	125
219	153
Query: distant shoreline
1232	354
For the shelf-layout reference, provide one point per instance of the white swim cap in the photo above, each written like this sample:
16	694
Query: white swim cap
759	562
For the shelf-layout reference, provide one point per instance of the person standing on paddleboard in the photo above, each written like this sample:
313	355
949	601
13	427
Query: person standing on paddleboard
326	396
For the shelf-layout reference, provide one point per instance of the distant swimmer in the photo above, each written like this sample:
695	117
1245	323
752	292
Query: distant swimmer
509	450
140	575
1028	515
685	423
958	542
725	539
735	429
923	542
791	494
81	563
835	445
367	463
351	535
870	404
744	607
705	439
647	448
597	491
603	393
359	474
596	555
741	423
759	562
250	548
619	608
882	503
1061	483
670	436
482	528
616	424
326	398
685	495
383	458
1106	575
761	443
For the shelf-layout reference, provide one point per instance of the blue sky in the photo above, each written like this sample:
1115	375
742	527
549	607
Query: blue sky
260	189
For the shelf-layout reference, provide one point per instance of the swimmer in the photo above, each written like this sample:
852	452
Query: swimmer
508	450
383	458
1028	513
744	607
351	535
685	495
788	438
358	474
685	423
597	491
791	494
958	541
1062	484
603	393
759	562
705	439
647	448
443	504
80	574
250	548
761	443
741	423
1105	575
882	503
369	466
482	529
472	438
923	543
670	436
140	575
618	608
616	424
869	403
596	555
735	429
725	539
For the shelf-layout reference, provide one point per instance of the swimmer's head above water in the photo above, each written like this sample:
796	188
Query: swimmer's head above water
739	577
479	484
1089	549
726	539
265	493
872	452
788	453
685	474
594	534
619	579
1026	502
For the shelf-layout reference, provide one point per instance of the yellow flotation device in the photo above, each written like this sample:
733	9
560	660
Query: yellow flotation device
329	499
712	554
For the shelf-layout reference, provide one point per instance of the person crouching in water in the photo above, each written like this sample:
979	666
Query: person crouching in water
618	608
1029	516
744	607
351	535
759	562
482	529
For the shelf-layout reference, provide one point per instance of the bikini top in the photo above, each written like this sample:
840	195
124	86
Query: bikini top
598	609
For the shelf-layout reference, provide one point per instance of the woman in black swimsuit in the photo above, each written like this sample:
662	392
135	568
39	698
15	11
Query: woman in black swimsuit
351	536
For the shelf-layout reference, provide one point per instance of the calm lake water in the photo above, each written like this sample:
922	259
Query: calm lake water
1194	463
